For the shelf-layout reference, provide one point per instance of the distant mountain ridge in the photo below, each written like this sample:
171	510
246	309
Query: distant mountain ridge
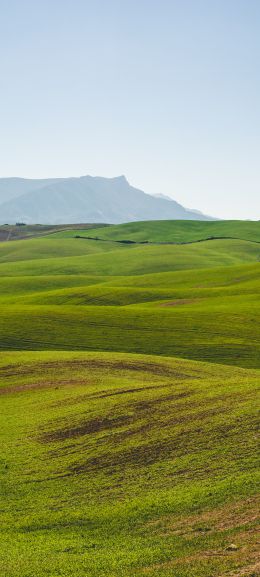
84	199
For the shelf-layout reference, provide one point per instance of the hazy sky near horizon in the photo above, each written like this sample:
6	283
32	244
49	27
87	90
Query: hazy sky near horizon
166	92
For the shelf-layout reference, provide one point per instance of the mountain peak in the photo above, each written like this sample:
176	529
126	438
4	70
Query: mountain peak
122	177
85	199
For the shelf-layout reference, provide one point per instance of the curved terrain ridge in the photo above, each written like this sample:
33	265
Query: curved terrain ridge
128	387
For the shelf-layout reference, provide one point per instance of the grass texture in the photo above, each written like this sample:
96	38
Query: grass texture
121	465
129	376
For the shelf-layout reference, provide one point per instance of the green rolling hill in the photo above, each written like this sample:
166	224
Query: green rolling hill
128	386
174	231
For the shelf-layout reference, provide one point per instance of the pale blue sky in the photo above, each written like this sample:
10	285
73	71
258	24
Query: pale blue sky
166	92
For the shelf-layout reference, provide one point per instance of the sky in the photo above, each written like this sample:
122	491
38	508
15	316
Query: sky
166	92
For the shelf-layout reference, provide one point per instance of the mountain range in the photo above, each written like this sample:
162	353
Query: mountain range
84	199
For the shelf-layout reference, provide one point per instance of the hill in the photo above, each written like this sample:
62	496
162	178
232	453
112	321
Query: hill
196	300
178	231
162	231
128	393
85	199
125	465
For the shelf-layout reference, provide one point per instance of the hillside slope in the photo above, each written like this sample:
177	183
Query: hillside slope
129	376
85	199
177	231
124	465
198	301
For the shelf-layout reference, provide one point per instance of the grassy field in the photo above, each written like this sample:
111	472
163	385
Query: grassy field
173	231
125	465
167	231
128	390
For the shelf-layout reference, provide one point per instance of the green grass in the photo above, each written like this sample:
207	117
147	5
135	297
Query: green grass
121	465
78	256
96	298
175	231
227	332
45	248
128	391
